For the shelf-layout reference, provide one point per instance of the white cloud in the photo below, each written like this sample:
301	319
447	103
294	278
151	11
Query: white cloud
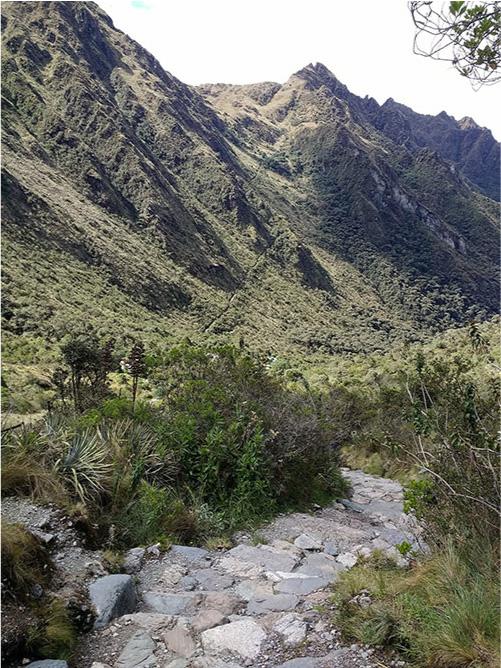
367	44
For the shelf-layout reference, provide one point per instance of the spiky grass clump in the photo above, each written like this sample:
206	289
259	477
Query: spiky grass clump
25	562
55	635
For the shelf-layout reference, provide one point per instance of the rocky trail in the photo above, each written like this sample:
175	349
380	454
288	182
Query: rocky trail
263	603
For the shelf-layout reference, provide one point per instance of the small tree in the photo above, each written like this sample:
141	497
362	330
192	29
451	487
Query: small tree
89	365
135	365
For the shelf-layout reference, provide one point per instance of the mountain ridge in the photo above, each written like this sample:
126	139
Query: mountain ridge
133	201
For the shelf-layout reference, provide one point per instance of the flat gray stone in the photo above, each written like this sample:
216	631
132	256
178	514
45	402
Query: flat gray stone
244	637
189	554
188	583
210	579
173	574
48	663
259	589
301	586
302	662
306	542
178	663
331	548
320	565
347	559
138	652
351	505
112	596
150	621
43	536
172	604
271	559
275	603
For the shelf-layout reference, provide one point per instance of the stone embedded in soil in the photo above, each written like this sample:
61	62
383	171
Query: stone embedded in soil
320	565
265	557
173	574
112	596
178	663
254	588
350	505
226	603
302	662
244	637
301	586
275	603
331	548
138	652
306	542
207	619
291	628
189	554
237	567
347	559
179	641
133	559
209	578
151	621
172	604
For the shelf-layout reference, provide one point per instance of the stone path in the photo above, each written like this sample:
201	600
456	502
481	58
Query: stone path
259	604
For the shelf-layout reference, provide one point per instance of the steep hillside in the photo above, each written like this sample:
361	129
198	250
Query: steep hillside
288	214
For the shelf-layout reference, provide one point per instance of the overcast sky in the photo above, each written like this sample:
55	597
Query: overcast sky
367	44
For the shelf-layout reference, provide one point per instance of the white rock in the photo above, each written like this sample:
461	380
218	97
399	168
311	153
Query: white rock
291	628
243	637
347	559
282	575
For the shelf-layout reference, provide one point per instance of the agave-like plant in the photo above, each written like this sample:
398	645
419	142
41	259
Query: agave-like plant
86	466
135	447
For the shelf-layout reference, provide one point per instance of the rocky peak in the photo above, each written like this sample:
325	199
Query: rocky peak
467	123
317	75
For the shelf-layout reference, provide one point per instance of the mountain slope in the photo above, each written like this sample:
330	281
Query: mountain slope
281	213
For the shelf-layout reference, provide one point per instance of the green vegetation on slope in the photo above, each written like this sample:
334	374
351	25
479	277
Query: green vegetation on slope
135	202
220	444
433	419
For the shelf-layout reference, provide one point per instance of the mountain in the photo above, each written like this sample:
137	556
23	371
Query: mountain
296	215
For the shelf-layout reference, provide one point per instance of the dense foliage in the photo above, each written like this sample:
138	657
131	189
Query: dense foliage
221	443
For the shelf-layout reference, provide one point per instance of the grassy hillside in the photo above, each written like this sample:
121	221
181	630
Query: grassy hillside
276	213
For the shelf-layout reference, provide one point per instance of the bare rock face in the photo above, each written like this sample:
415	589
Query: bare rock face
112	596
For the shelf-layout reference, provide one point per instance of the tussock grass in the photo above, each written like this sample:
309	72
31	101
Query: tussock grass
443	612
25	561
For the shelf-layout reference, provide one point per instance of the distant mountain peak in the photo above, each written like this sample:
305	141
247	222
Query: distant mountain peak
315	73
467	123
